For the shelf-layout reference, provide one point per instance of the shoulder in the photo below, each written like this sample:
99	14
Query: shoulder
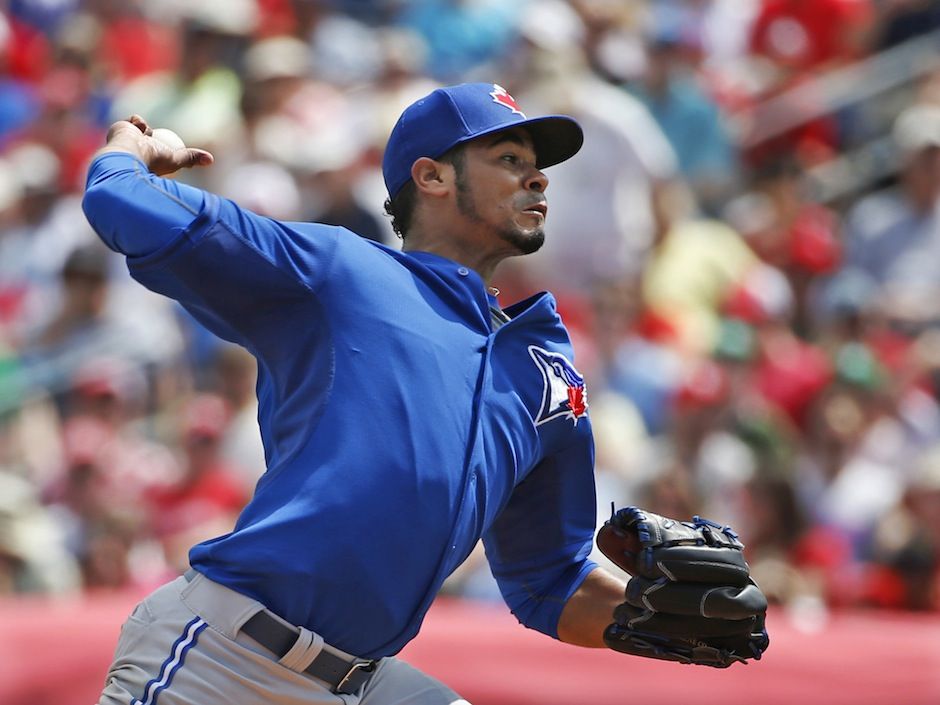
343	239
351	260
347	242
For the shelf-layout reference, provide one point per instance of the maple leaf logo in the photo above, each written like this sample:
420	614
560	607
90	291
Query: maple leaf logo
576	402
501	96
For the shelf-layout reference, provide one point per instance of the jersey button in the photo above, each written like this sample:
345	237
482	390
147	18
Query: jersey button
463	271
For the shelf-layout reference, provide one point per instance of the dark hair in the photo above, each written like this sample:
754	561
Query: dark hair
401	208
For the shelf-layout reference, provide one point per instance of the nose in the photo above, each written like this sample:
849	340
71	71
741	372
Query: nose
536	181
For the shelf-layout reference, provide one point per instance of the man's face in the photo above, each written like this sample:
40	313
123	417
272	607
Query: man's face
501	192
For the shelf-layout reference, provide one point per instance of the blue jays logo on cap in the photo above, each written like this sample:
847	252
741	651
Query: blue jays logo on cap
502	97
563	392
450	116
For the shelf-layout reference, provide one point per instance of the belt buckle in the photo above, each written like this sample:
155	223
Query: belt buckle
365	665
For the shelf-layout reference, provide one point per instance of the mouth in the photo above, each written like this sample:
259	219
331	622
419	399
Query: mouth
539	209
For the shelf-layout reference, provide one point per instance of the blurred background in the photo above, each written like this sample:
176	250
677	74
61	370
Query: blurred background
746	252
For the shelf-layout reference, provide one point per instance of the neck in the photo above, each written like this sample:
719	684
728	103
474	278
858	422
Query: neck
473	257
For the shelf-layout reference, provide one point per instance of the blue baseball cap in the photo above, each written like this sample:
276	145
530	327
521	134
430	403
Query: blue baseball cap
449	116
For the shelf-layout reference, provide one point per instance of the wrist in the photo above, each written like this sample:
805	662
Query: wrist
127	143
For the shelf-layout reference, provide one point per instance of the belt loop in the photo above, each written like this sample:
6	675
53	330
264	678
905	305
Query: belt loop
307	647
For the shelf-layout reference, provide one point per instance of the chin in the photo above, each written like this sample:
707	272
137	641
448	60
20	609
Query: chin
525	242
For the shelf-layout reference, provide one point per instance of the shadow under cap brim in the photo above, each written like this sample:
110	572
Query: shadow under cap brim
556	138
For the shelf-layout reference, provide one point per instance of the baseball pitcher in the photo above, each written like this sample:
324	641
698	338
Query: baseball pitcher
405	415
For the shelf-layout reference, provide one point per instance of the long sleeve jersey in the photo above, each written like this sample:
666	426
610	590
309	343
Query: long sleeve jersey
399	424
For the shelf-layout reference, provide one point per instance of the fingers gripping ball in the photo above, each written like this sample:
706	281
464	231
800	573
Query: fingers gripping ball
172	153
168	138
691	598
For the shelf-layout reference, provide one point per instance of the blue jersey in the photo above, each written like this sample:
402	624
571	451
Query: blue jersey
399	424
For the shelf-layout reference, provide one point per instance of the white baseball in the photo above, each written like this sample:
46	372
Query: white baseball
169	138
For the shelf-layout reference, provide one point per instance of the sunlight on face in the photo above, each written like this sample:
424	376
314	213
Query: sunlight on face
499	187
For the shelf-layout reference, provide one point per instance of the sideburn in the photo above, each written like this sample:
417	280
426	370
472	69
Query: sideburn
465	203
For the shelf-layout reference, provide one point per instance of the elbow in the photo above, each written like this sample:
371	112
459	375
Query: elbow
97	204
538	603
535	612
93	205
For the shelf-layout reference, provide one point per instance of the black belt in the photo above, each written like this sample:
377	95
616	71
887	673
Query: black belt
343	675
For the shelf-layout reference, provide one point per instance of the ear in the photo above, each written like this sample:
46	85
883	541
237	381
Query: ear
432	177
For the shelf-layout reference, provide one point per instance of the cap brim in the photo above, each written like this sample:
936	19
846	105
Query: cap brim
556	138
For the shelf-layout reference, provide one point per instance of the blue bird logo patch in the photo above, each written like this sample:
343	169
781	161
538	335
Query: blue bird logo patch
563	392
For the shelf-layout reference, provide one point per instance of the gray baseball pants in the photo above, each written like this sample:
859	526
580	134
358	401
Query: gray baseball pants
183	646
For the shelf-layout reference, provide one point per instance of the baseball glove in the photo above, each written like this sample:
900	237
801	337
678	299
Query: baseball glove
690	598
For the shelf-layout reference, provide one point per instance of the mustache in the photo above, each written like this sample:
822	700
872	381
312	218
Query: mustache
531	202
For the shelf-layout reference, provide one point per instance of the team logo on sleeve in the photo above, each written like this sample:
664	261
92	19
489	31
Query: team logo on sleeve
501	96
563	393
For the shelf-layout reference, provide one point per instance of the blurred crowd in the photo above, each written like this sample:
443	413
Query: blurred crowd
746	251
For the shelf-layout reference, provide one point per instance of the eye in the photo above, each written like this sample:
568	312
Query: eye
510	158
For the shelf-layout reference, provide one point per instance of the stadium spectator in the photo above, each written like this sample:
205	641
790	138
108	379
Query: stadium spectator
850	470
205	499
200	100
609	205
461	36
97	500
84	326
673	92
905	546
44	226
787	230
798	36
893	235
33	555
902	20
